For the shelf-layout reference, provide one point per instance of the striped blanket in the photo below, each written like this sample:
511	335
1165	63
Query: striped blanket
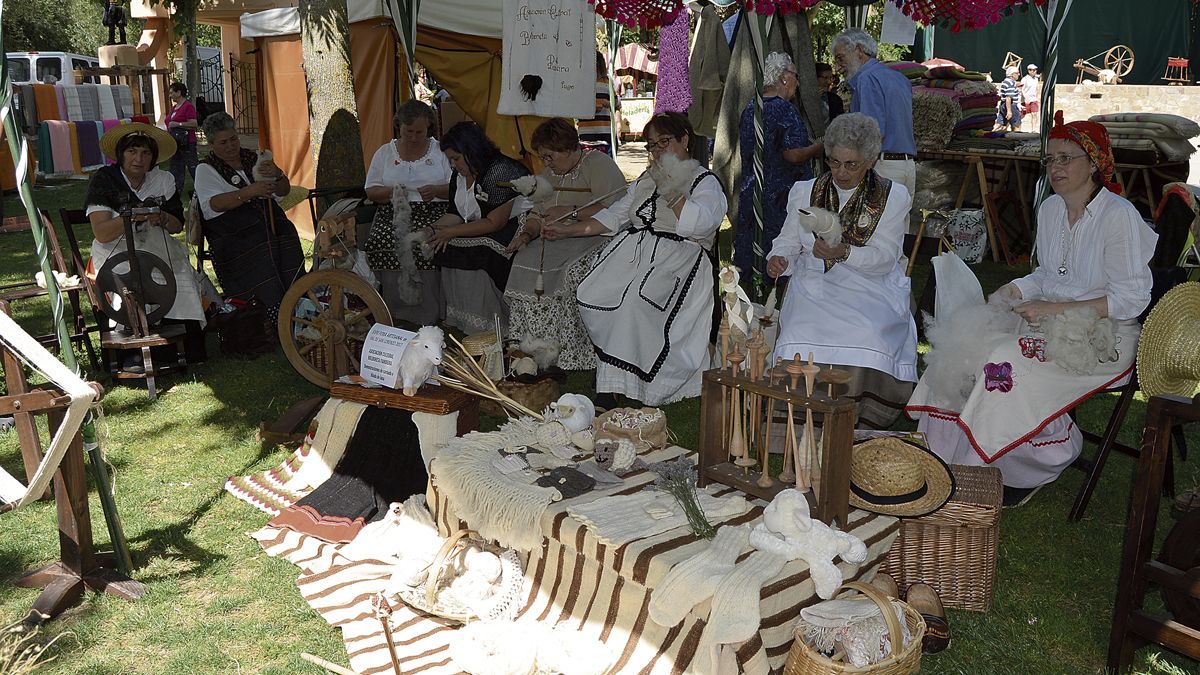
573	580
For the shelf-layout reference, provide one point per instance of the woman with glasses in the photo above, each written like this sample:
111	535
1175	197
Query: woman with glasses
848	304
648	302
545	274
471	240
1094	252
414	161
786	154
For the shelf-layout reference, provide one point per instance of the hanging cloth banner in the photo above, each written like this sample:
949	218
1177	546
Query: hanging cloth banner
549	62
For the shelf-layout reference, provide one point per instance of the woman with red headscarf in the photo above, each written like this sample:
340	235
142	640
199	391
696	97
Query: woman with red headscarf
1094	251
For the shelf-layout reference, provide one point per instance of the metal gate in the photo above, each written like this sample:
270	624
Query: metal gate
210	79
245	95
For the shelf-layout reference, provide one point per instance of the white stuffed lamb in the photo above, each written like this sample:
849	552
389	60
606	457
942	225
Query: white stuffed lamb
789	531
421	357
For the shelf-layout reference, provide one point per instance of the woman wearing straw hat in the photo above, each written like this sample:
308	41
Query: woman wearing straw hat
1094	251
135	180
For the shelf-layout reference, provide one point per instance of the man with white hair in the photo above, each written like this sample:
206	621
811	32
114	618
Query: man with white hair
1008	115
884	95
1031	90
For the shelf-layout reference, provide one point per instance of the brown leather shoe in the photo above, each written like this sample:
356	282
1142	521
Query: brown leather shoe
925	600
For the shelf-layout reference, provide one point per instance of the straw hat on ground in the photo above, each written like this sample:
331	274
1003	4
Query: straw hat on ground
898	478
1168	358
108	142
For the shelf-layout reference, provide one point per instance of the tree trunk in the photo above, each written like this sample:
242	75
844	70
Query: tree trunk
332	110
191	63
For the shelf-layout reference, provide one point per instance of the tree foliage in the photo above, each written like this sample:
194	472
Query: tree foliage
58	25
829	20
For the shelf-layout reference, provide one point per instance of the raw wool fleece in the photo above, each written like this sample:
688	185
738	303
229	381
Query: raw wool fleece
959	346
499	508
526	648
1079	339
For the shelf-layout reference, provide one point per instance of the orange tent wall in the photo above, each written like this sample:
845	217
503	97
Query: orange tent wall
283	101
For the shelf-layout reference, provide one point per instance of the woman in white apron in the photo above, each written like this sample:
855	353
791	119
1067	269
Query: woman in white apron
648	302
848	305
1094	251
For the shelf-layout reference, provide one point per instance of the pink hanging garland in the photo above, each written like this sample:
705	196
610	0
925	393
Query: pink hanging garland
771	7
638	13
958	15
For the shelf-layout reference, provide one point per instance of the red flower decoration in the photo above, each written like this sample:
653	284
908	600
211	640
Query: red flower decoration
1033	348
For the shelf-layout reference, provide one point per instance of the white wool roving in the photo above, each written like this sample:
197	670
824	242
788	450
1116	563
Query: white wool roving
735	613
498	507
493	648
824	224
673	176
543	352
695	579
960	343
536	187
504	648
407	528
409	286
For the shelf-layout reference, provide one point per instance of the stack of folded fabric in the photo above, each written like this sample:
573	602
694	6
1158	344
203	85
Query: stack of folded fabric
913	71
1154	137
937	184
975	96
935	114
979	140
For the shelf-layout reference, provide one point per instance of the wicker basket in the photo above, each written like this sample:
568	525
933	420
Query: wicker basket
534	395
954	548
429	598
804	660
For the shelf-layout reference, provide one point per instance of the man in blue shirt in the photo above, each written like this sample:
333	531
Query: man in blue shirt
885	95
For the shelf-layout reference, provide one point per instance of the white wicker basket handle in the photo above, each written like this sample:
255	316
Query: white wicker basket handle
434	568
895	632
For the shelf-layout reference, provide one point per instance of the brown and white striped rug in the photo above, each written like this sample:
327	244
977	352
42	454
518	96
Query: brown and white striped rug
573	579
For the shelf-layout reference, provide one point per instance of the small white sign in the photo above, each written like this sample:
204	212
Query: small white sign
380	362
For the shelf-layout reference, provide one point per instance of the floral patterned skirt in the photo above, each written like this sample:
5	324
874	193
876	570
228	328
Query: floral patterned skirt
380	246
555	317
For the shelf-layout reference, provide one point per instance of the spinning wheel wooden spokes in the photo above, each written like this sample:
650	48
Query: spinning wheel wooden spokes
323	321
1119	59
157	287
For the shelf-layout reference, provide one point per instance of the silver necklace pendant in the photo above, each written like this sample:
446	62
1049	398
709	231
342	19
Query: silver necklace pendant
1062	270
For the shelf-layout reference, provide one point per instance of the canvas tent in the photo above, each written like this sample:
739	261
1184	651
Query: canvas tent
458	42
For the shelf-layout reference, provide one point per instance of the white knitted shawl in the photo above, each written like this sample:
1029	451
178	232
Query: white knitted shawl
498	507
620	519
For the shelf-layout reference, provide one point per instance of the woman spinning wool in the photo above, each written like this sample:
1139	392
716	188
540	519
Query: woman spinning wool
560	265
470	240
134	180
1095	252
848	300
255	248
787	151
648	303
415	163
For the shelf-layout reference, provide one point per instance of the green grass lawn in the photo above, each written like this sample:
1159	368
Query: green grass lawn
216	603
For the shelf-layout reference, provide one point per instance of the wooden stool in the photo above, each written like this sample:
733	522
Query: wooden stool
115	343
1177	71
1132	625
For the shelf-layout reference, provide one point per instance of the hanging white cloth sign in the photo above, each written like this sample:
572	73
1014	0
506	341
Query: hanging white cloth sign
549	60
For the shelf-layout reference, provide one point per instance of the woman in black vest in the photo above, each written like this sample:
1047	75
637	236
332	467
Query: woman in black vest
254	254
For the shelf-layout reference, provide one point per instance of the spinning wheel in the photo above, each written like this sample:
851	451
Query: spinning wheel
157	286
1119	59
323	321
1117	62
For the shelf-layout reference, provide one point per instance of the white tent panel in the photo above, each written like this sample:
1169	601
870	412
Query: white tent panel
469	17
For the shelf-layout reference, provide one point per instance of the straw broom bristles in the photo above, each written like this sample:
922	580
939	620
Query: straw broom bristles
465	374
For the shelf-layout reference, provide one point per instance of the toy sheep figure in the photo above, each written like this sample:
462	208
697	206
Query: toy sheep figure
788	530
420	359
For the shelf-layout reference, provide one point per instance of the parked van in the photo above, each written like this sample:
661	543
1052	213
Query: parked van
46	67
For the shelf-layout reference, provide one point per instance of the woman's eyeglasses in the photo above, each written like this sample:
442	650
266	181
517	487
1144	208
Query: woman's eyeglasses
1061	160
836	164
660	145
546	158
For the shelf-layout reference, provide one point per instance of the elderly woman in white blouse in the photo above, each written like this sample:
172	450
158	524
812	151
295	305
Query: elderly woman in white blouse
1094	251
413	161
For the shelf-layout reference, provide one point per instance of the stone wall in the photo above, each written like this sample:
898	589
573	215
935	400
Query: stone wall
1078	101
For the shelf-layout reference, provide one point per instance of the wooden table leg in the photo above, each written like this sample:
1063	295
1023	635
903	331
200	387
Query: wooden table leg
993	242
1149	190
962	187
1023	196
